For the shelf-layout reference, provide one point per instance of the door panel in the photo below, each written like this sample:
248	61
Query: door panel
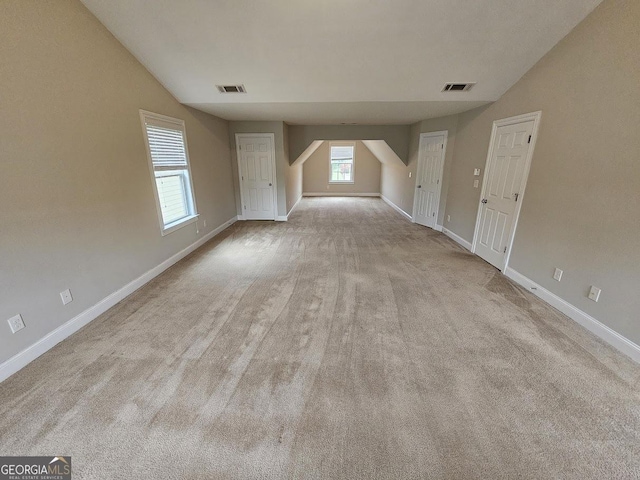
430	162
503	185
253	199
257	177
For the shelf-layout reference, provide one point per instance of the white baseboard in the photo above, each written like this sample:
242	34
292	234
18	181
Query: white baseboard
438	228
596	327
457	238
337	194
394	206
26	356
279	218
285	218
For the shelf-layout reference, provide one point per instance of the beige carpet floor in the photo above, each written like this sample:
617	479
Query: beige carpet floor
346	343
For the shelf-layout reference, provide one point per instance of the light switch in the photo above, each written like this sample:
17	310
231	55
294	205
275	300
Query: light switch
594	293
409	174
476	172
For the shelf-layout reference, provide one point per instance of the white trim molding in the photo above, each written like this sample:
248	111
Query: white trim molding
596	327
285	218
26	356
457	238
394	206
338	194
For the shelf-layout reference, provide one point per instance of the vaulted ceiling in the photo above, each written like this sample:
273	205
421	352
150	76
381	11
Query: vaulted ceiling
330	61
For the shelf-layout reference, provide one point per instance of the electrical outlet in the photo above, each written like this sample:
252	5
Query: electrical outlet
476	183
594	293
204	223
16	323
409	174
448	218
557	274
66	296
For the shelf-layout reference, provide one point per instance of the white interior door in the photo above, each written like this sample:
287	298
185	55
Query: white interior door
503	185
257	176
429	178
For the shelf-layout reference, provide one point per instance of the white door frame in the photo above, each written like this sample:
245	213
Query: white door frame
536	117
272	136
424	136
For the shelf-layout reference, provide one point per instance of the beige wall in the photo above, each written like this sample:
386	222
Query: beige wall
396	136
78	205
398	187
316	172
294	186
293	174
282	157
581	208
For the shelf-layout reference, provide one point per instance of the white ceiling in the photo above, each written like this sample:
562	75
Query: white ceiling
333	61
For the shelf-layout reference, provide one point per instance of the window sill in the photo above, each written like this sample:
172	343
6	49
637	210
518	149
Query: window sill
183	222
341	183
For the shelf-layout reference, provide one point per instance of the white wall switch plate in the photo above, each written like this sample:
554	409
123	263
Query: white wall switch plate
66	296
475	183
448	218
476	172
16	323
594	293
557	275
409	174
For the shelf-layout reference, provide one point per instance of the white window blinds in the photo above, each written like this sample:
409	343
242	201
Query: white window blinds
166	146
169	163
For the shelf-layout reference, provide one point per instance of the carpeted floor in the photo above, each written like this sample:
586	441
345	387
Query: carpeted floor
346	343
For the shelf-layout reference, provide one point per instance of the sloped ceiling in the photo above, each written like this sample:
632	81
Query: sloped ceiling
383	152
304	156
379	148
324	62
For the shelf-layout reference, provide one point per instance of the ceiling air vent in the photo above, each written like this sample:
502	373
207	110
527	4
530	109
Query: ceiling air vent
231	88
457	87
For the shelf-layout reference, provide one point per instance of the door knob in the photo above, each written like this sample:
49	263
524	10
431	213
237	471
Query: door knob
419	186
484	200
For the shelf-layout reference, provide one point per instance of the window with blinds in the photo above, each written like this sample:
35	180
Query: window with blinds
341	163
169	164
